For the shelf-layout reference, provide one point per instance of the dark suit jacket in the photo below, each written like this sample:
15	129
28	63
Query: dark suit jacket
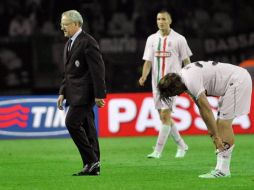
84	72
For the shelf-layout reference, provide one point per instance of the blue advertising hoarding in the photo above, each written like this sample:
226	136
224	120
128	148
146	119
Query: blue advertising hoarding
32	117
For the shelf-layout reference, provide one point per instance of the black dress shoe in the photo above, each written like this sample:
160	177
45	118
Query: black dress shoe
90	169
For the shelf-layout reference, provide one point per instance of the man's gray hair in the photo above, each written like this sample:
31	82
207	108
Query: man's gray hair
74	16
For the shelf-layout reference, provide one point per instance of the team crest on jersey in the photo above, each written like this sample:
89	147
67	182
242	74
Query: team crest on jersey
77	63
162	54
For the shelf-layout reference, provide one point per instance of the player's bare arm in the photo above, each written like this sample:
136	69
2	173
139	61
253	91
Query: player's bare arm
146	70
208	117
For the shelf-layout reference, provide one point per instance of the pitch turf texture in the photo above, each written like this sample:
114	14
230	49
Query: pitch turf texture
47	164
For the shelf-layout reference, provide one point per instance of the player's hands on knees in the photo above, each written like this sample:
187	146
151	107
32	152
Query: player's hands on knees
142	81
60	102
99	102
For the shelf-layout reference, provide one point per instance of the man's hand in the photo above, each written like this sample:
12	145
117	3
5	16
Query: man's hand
60	102
218	143
99	102
142	81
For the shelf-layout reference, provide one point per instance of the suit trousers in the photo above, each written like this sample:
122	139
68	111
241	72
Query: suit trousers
81	126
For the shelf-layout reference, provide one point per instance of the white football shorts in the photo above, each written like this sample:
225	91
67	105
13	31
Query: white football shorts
237	99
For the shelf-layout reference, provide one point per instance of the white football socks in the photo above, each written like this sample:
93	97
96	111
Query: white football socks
162	138
177	137
223	160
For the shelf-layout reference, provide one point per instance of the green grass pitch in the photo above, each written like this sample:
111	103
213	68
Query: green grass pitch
47	164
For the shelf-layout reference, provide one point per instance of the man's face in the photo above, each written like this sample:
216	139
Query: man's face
163	21
68	26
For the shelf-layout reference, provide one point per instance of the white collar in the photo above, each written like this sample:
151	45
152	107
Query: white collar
73	38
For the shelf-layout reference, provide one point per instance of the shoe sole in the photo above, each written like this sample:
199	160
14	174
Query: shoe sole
214	177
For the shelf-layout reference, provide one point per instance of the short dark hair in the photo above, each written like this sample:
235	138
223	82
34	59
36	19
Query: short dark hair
170	85
165	11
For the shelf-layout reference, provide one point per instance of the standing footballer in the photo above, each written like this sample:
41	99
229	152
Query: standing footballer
165	52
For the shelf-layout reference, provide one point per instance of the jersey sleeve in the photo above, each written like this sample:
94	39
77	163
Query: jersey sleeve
193	82
148	53
184	49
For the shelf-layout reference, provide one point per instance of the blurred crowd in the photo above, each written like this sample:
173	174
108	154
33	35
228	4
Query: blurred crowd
31	41
127	17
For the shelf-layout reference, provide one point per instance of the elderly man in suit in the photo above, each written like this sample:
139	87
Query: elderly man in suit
83	86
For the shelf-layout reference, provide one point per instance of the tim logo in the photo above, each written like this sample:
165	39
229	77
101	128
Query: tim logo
31	117
14	115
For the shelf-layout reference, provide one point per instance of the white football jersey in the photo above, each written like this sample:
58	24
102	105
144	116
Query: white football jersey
166	54
212	77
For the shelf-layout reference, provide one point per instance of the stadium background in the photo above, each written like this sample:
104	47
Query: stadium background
31	46
31	41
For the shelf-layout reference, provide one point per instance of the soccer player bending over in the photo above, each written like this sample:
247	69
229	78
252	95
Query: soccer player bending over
201	79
